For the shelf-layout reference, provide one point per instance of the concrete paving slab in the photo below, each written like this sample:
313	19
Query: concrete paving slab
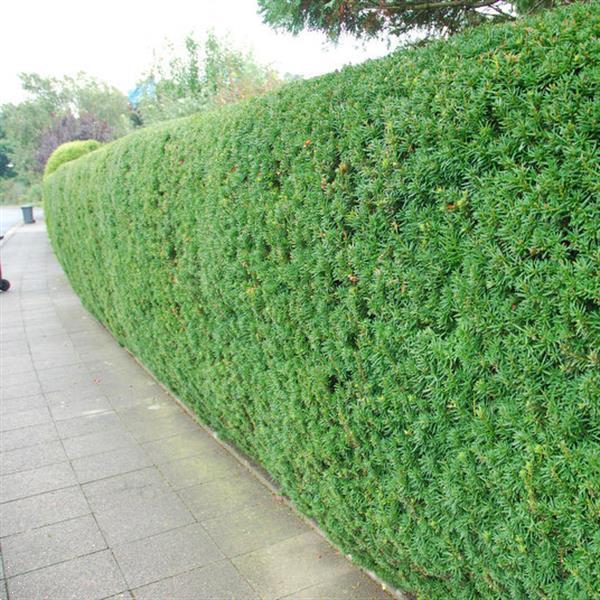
137	518
36	481
22	404
167	554
90	577
80	408
88	424
25	418
220	581
51	544
107	464
32	457
27	387
112	492
224	496
291	565
86	391
27	436
213	464
253	528
348	586
156	429
185	445
44	509
98	442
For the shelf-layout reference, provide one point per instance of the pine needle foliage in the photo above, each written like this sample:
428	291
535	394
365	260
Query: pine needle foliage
69	151
383	284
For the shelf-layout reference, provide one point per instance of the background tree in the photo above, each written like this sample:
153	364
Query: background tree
55	111
70	128
204	76
371	18
6	169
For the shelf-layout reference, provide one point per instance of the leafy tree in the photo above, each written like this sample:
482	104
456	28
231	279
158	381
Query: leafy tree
6	169
81	98
207	75
70	128
371	18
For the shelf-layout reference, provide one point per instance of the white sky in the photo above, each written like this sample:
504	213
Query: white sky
113	40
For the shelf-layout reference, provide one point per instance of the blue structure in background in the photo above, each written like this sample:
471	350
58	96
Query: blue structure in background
143	90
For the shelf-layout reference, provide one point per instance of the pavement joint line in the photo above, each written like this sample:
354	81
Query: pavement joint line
4	537
60	562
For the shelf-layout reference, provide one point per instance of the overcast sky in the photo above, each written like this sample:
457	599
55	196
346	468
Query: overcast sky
113	40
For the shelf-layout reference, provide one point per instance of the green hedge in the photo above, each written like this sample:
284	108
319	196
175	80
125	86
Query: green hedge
69	151
384	285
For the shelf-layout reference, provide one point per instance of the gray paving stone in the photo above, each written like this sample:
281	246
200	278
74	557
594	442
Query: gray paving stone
166	554
32	457
44	509
15	379
189	443
112	492
67	383
219	581
80	392
27	436
51	544
224	496
89	424
110	463
36	481
21	404
133	397
16	364
13	348
213	464
48	360
291	565
80	408
76	370
27	387
98	442
3	592
150	409
156	429
136	518
254	528
353	585
24	418
90	577
10	334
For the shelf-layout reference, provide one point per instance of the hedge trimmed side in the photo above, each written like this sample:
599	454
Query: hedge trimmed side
384	285
69	151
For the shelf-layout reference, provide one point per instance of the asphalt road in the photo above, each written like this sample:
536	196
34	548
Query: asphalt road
10	216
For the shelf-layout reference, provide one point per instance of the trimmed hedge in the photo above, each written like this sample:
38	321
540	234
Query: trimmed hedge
69	151
384	285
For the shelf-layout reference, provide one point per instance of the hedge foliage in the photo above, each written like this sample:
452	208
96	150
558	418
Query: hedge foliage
69	151
384	285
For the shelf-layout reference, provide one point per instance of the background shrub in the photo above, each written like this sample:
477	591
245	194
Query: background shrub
69	151
384	285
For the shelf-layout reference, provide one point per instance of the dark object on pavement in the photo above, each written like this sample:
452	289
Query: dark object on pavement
4	283
27	214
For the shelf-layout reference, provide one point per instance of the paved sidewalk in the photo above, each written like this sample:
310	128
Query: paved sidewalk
109	489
